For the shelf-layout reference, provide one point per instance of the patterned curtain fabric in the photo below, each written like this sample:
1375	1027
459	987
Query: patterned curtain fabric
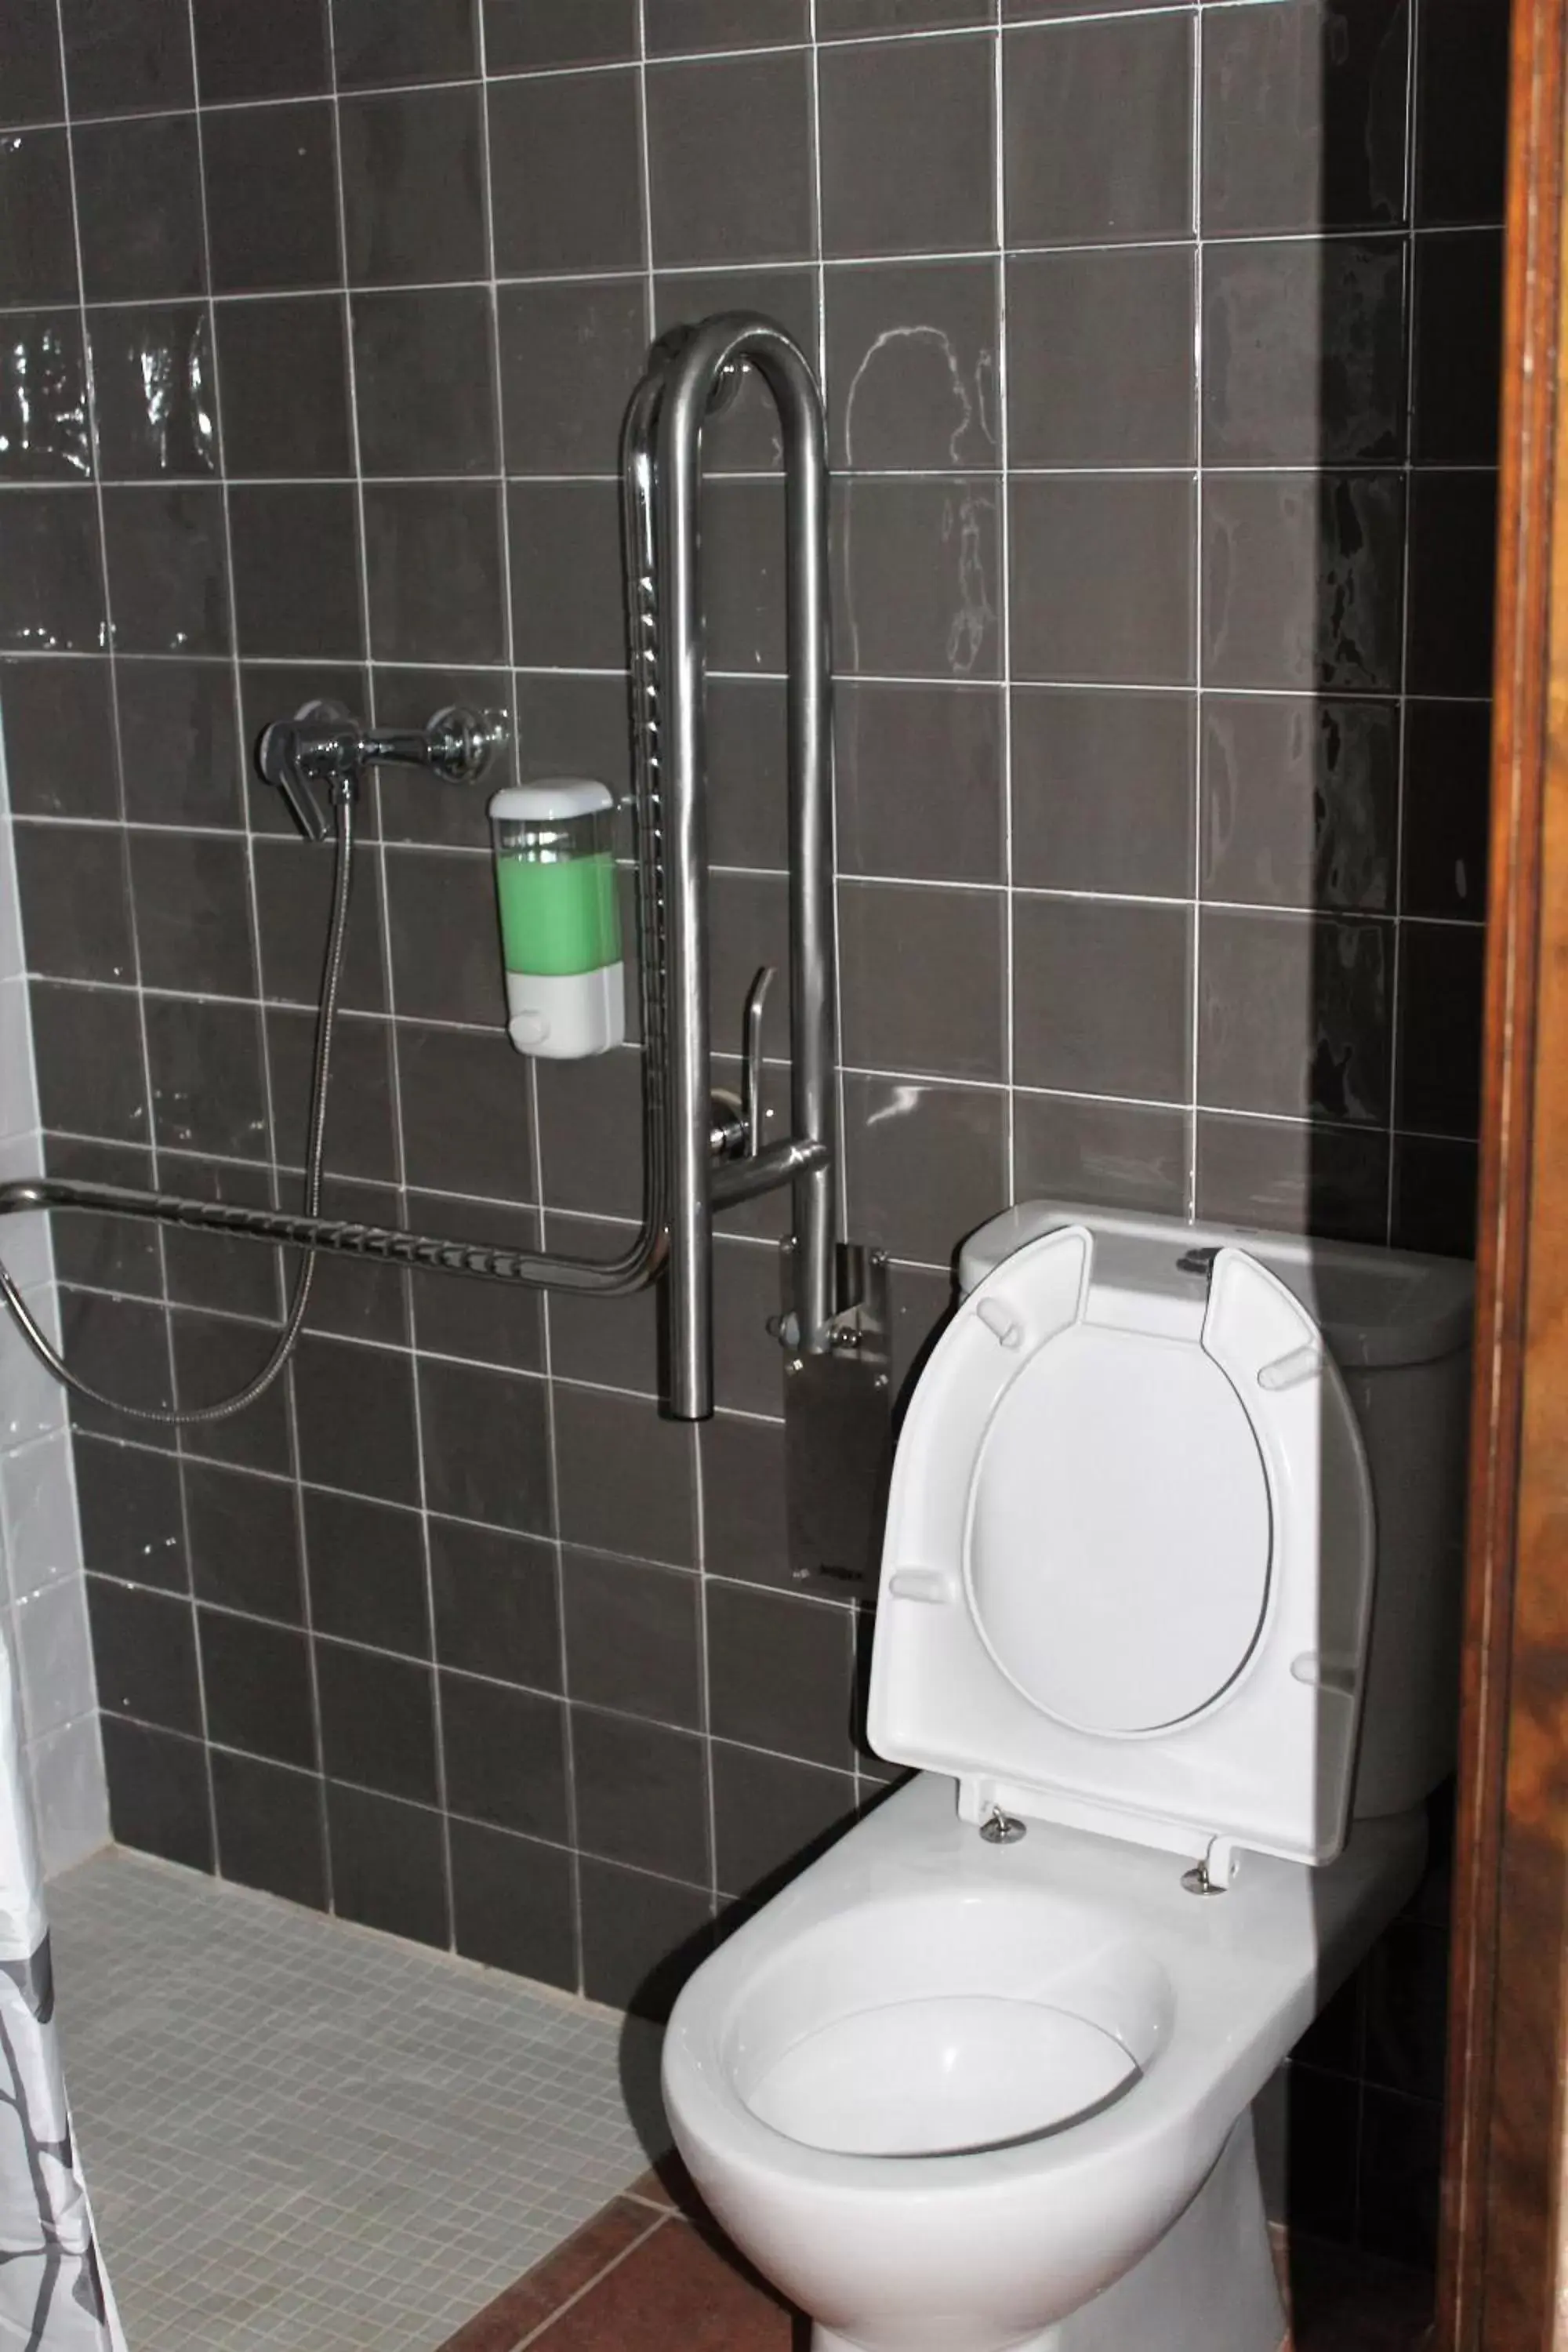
54	2293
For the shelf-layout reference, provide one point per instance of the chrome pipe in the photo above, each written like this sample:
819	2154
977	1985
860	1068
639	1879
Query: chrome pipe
704	365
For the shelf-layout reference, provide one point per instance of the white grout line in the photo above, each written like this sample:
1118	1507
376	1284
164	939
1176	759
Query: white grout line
1397	879
1005	597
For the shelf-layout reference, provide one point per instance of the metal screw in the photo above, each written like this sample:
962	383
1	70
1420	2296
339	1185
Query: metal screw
1003	1829
1197	1881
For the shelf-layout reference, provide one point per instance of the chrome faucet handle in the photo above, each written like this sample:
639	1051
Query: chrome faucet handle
319	745
752	1058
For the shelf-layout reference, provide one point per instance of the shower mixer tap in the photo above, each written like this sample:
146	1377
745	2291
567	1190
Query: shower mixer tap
324	746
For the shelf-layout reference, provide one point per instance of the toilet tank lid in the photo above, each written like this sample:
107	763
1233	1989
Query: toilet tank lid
1376	1307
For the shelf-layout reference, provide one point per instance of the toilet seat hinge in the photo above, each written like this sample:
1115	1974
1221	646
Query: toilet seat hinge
1214	1873
1003	1829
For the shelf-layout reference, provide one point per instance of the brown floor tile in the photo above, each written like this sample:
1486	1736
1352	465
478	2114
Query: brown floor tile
679	2291
520	2311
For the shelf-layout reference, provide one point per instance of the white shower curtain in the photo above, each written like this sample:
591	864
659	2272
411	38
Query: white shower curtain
54	2292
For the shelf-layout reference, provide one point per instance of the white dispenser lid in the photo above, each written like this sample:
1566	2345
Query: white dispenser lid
1128	1566
551	801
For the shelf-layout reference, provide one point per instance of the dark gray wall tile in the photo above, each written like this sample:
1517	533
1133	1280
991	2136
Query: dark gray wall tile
282	53
465	1108
291	241
1283	1175
570	355
295	571
564	173
926	1163
772	1815
377	1721
270	1832
522	35
566	575
438	41
59	738
257	1683
1304	115
486	1454
158	1793
918	782
881	106
632	1638
917	577
245	1541
1459	347
88	1044
45	436
1103	791
1448	752
191	893
1461	137
293	900
495	1604
506	1756
126	57
1435	1184
729	160
1293	1015
675	26
839	20
51	573
144	1652
1453	537
1112	1154
388	1865
782	1673
38	256
646	1509
269	353
76	912
642	1935
433	560
1102	997
921	974
412	199
132	1523
1441	969
442	920
911	365
367	1573
206	1065
1304	353
154	393
1303	580
168	586
1299	801
1102	585
642	1793
1097	124
30	88
1081	389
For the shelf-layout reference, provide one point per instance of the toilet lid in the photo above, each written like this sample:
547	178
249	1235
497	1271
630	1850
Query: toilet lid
1118	1543
1129	1553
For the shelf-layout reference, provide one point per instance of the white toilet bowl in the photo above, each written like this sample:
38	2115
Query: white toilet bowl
957	2097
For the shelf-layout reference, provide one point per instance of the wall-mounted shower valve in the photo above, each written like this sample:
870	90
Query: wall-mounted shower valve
324	747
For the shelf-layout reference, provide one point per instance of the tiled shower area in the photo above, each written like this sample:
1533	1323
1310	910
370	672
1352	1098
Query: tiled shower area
1160	350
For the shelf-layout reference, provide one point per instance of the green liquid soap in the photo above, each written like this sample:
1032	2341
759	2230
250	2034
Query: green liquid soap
560	917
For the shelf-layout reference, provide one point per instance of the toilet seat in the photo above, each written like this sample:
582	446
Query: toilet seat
1128	1567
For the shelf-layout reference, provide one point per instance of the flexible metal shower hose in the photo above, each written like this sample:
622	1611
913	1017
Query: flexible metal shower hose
298	1304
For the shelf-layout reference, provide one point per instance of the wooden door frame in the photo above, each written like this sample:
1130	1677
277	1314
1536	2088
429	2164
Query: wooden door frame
1503	2276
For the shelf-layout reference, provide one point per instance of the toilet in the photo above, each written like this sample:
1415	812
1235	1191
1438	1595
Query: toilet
1168	1630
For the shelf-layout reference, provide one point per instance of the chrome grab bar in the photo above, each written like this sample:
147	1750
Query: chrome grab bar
686	1177
704	365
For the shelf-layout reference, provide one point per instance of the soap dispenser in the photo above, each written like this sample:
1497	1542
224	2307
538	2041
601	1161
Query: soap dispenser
560	917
